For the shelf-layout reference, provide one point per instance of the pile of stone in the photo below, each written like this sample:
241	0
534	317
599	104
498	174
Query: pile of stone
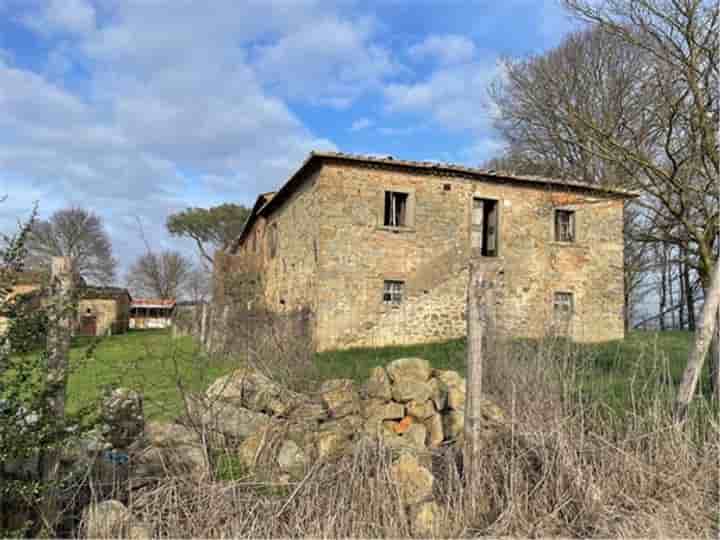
408	406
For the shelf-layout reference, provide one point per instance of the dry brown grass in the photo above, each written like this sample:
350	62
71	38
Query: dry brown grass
566	467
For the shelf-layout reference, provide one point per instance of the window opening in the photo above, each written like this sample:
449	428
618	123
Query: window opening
395	209
564	225
393	292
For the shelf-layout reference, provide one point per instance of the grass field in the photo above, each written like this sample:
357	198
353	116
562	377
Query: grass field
149	361
159	366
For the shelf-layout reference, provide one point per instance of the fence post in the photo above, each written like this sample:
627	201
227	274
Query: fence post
61	313
480	310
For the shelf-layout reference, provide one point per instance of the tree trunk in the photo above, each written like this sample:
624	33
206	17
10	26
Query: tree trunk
689	299
60	319
715	359
703	337
663	290
480	312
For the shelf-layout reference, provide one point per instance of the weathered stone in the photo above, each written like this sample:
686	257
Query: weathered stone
291	458
456	398
308	410
329	237
381	410
339	397
434	426
249	450
260	394
405	390
121	414
421	409
107	519
409	368
414	482
228	388
416	435
425	519
453	424
378	385
239	423
174	447
438	393
449	377
330	443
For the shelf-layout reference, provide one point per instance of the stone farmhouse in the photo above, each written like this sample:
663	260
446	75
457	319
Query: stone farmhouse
378	249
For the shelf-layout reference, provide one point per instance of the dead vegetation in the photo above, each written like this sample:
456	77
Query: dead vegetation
567	467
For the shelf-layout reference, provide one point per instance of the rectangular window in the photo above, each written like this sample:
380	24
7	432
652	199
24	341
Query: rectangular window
393	292
273	240
485	227
564	225
563	306
396	209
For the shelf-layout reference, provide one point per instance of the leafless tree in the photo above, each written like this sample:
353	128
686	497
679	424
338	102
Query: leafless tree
162	275
78	234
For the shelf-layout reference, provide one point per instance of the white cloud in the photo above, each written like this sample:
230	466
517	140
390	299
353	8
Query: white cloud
446	49
330	61
455	97
360	124
66	16
164	120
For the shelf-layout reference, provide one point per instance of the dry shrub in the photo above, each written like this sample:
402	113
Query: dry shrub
349	497
566	466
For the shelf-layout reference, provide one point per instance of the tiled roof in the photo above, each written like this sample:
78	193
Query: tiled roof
444	168
266	202
98	293
153	302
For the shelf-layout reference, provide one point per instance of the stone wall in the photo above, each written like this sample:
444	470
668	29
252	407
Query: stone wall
334	253
290	268
112	315
431	256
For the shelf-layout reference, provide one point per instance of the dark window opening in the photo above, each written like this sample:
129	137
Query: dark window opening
563	306
564	225
395	209
393	292
273	240
485	227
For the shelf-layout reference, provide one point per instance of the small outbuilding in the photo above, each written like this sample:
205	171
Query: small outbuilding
103	311
147	313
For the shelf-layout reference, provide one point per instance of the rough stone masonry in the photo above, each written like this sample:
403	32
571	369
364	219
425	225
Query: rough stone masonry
378	249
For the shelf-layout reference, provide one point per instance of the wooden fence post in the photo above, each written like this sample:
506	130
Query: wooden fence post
480	311
61	314
704	330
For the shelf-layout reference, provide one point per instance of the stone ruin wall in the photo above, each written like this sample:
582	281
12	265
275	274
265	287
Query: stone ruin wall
333	255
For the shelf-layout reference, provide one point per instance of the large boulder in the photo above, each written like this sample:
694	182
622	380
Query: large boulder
107	519
414	482
292	458
377	409
378	385
339	397
406	390
409	368
228	388
261	394
233	421
173	448
421	409
121	417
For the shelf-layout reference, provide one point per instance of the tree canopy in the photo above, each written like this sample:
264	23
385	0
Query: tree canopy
214	227
78	234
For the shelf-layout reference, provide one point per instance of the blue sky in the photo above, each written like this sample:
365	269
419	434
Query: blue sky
138	108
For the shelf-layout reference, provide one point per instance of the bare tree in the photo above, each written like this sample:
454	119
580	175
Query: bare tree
78	234
162	275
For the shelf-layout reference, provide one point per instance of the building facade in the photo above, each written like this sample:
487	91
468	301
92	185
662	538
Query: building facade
378	250
103	311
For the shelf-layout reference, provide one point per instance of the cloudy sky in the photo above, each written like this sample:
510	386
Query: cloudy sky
138	108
